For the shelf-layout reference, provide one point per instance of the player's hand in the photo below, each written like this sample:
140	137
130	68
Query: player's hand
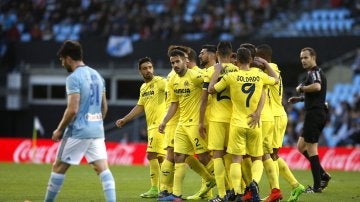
119	123
260	60
56	137
202	130
162	127
218	66
293	100
254	120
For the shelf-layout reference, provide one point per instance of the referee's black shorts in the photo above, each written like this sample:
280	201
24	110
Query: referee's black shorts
315	120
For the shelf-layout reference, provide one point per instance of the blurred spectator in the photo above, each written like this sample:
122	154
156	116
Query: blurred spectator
152	19
36	33
356	64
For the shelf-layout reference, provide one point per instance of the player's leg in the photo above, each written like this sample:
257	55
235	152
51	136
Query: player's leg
236	147
96	155
107	179
56	180
182	149
155	147
70	152
167	167
313	124
268	163
254	147
179	175
167	173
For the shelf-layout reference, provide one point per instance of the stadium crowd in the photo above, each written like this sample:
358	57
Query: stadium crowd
147	19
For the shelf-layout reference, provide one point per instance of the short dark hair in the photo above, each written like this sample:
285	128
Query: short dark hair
192	55
209	48
243	55
250	47
72	49
264	51
179	47
177	52
311	51
224	48
143	60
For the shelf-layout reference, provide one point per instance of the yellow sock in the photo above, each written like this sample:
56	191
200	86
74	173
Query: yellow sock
179	176
227	162
154	172
198	167
276	168
167	175
257	170
243	185
235	174
286	173
219	171
210	167
246	170
271	173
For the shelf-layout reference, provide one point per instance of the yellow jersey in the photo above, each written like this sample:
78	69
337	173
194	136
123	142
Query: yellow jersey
187	91
152	97
169	90
276	94
245	91
221	107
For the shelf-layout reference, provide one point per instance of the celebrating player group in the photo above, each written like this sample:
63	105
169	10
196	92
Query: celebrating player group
229	114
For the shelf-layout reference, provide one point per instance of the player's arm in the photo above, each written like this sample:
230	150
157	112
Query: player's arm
314	87
169	114
255	117
203	104
69	114
104	106
270	70
138	109
214	79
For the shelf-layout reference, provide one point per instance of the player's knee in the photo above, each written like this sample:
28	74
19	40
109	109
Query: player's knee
274	156
151	155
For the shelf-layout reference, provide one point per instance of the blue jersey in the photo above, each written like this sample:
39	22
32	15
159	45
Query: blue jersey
88	122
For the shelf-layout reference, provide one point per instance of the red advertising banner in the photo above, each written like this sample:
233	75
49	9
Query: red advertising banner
21	151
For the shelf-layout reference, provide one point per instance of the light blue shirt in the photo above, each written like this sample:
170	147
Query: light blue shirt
88	122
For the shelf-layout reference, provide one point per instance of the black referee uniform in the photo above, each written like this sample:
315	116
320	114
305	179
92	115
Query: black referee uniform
315	108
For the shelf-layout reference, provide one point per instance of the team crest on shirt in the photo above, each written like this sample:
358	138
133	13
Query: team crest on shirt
186	83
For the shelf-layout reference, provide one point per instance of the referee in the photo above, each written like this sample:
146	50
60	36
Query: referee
313	91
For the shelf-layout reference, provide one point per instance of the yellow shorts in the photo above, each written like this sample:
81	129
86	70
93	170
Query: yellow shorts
218	135
245	141
187	140
267	128
279	130
169	135
156	142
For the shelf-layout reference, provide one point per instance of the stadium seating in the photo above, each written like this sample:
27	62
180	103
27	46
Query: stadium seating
326	22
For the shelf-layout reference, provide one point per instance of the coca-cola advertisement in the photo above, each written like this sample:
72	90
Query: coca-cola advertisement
44	151
21	150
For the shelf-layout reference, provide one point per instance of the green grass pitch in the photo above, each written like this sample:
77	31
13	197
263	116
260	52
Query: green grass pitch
20	182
